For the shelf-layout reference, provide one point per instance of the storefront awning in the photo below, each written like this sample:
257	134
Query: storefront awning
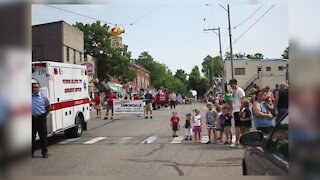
115	88
105	85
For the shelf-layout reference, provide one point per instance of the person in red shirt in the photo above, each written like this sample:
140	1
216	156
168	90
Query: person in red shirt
98	105
109	98
174	123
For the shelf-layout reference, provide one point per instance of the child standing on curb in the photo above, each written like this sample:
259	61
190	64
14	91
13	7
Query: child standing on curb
226	121
211	117
197	124
174	123
219	124
187	126
245	118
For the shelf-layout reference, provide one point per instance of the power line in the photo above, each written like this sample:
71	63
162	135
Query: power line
248	17
205	15
145	15
79	14
253	24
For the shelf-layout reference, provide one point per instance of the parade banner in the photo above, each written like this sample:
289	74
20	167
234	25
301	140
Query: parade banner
128	106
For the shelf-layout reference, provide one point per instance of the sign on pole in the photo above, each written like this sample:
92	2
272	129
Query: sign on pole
116	41
128	106
89	68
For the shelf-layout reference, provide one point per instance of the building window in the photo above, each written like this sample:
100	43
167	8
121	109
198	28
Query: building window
280	68
68	54
240	71
80	54
74	56
268	68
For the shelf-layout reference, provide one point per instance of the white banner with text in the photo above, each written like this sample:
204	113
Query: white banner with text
128	106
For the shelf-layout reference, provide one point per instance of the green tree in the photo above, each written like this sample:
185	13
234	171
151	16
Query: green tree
212	67
198	83
158	72
194	77
202	87
258	56
285	53
227	55
240	55
173	84
110	62
182	75
249	56
244	55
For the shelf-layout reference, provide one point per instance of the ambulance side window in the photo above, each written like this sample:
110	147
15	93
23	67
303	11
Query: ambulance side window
42	71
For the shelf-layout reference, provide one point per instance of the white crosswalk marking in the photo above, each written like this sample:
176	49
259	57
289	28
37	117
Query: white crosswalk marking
149	140
124	139
177	140
68	140
204	139
92	141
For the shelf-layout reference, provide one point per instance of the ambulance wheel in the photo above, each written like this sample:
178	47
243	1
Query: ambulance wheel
77	130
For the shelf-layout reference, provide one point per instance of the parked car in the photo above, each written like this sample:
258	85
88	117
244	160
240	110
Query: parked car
267	155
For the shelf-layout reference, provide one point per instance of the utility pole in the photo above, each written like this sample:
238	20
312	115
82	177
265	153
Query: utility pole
230	38
220	44
214	29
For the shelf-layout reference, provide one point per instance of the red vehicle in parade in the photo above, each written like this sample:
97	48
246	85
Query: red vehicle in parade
160	97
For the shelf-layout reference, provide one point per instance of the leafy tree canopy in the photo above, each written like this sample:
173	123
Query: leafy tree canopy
244	55
160	74
212	67
110	62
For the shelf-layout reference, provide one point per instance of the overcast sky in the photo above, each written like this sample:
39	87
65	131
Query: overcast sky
172	31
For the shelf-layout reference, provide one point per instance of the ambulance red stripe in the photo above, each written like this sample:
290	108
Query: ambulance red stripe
67	104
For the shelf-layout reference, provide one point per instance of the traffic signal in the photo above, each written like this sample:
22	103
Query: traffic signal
116	31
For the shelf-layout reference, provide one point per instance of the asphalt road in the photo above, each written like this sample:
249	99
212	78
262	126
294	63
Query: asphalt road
133	146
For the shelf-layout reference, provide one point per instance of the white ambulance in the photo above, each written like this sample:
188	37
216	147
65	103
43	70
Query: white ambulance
66	85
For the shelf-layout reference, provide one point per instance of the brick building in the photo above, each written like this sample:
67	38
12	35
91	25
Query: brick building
142	80
61	42
57	41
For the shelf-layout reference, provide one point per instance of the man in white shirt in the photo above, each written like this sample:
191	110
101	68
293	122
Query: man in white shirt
173	99
237	96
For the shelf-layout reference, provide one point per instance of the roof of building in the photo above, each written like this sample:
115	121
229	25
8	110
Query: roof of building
142	68
266	59
55	22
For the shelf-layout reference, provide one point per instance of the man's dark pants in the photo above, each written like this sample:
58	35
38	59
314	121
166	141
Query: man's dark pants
173	103
39	124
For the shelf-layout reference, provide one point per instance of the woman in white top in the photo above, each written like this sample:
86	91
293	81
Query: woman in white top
197	123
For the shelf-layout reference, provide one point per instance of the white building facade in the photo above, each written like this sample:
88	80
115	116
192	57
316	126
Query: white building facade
264	72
